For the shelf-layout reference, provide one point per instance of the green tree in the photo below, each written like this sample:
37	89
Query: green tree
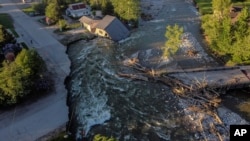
224	40
210	28
5	37
95	4
240	52
173	35
62	24
221	8
107	7
39	7
52	11
127	10
18	78
228	39
241	26
13	84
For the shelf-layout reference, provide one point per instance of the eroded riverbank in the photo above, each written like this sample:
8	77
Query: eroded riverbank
101	102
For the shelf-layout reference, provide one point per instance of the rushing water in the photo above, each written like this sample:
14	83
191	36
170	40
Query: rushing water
101	102
125	109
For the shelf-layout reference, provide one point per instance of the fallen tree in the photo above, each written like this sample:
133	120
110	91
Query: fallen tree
199	97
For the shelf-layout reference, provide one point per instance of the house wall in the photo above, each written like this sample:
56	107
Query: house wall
101	32
87	26
78	13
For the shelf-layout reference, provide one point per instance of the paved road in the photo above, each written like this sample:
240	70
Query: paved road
29	122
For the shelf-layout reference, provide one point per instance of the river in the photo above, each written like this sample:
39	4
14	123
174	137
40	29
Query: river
125	109
100	102
241	102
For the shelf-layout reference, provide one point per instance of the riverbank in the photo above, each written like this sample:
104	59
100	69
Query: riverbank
139	110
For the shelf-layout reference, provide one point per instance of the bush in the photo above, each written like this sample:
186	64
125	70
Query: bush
62	24
99	137
39	8
5	37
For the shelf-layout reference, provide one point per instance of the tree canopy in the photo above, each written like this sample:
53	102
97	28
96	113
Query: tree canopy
127	10
5	37
173	35
52	10
221	8
228	38
18	78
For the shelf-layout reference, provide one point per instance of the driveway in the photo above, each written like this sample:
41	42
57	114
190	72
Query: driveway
29	122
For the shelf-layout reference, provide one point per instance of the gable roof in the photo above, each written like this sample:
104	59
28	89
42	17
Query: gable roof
85	19
107	20
114	27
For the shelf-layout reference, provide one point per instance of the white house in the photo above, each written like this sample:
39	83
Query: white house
78	10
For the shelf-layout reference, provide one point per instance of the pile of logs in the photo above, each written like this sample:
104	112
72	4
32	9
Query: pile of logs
200	97
198	94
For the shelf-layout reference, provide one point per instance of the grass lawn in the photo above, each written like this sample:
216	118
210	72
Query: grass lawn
28	10
7	22
205	6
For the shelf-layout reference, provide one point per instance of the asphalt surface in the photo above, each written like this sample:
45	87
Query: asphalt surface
29	122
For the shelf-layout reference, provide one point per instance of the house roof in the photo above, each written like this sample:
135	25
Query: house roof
77	6
114	27
89	21
107	20
85	19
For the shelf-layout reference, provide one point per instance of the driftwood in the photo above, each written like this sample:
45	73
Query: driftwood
189	92
202	98
133	76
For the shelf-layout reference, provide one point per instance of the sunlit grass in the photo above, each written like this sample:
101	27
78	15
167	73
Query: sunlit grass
205	6
28	10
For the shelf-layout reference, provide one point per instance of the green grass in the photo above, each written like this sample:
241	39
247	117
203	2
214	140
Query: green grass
69	27
28	10
205	6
